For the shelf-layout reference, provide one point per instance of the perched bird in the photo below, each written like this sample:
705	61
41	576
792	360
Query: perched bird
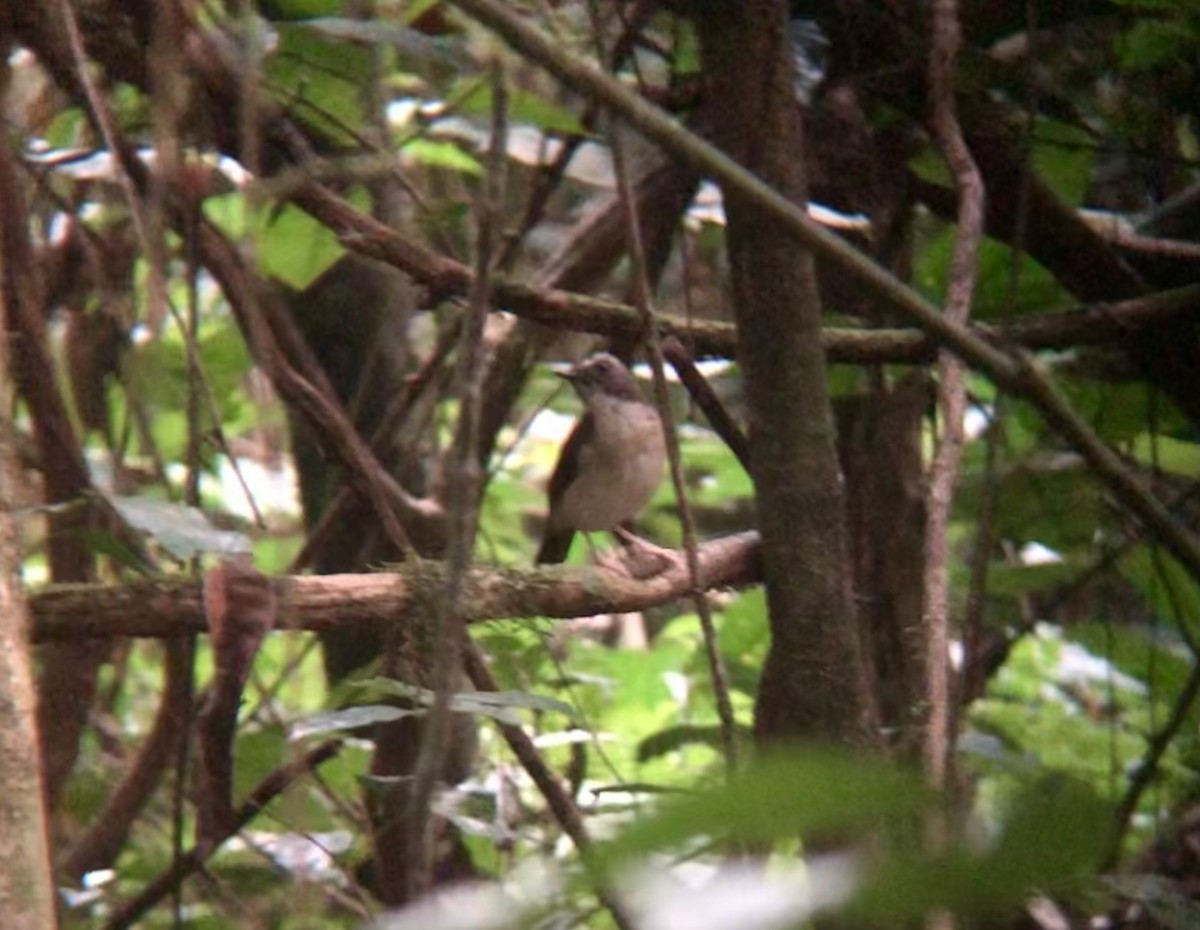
611	464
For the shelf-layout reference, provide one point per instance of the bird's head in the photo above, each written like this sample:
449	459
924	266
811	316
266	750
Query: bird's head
603	375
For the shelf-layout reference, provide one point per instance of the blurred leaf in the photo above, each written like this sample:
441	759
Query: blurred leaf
1175	456
350	718
182	531
1008	580
485	703
64	129
415	9
102	542
294	247
303	9
1063	156
1055	835
1166	585
471	701
1155	43
258	751
320	80
524	106
1060	707
811	792
447	155
675	738
995	298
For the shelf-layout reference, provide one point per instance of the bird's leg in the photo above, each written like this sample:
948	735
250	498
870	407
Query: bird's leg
644	557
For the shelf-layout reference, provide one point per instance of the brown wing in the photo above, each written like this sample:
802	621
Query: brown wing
556	544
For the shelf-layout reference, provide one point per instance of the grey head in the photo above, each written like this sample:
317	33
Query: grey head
603	375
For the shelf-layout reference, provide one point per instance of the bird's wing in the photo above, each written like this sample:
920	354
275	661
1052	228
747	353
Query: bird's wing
570	458
556	544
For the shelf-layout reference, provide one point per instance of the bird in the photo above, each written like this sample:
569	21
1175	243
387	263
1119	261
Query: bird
612	462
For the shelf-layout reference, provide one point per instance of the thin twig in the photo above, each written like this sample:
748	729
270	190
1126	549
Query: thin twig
716	664
707	400
562	807
193	860
1146	770
1009	369
466	481
381	439
970	684
952	394
644	303
101	117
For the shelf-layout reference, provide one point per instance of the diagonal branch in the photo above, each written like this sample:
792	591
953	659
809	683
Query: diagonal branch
1007	368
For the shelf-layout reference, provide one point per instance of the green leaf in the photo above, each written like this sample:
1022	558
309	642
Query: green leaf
304	9
445	155
1055	835
413	45
524	106
291	246
295	248
1156	43
321	80
1176	456
1008	580
812	792
1062	156
1166	585
415	9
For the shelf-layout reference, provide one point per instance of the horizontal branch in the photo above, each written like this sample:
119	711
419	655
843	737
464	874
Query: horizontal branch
169	607
1093	324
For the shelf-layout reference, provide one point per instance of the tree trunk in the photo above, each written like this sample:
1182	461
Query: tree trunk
26	891
812	683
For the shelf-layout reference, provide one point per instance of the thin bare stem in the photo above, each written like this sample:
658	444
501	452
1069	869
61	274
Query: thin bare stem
193	860
1009	369
562	808
643	301
952	394
466	482
101	117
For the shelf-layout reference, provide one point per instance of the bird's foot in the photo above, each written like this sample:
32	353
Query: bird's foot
642	558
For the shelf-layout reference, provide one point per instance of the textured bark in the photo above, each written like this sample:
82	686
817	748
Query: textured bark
812	684
26	892
68	669
366	604
880	449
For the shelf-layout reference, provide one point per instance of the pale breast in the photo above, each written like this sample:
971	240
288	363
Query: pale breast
619	472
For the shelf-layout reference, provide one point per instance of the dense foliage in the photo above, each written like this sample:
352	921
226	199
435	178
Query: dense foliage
1075	628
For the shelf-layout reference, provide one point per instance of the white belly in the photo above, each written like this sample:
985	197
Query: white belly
620	475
